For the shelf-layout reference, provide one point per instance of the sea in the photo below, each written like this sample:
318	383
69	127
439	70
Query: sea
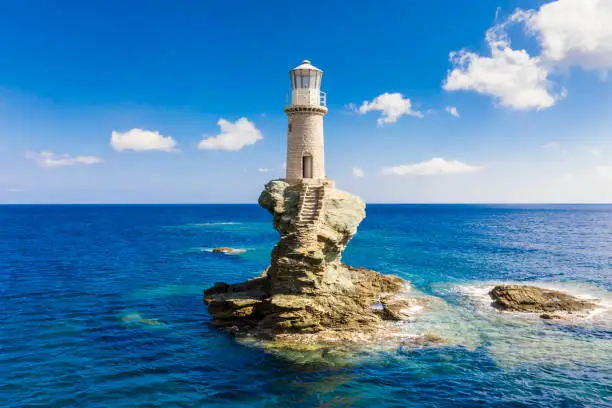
101	306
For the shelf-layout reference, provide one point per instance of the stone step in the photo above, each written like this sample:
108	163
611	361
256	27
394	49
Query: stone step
310	207
308	213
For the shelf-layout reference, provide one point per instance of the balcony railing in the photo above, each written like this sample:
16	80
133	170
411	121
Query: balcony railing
308	97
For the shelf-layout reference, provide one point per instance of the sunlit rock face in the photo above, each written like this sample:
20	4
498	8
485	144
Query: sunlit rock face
531	299
308	297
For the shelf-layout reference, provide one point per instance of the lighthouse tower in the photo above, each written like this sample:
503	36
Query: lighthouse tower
305	154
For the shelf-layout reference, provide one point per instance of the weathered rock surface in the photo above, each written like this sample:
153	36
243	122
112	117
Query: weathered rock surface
531	299
308	297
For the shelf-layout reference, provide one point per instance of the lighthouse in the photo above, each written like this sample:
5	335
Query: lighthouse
305	148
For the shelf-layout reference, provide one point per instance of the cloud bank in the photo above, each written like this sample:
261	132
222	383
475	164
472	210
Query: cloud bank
434	167
49	159
569	33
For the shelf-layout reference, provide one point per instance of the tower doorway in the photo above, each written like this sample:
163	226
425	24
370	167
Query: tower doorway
307	166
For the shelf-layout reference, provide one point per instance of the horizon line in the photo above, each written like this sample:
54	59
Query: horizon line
367	203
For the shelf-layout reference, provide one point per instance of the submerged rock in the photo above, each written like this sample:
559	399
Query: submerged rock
531	299
307	298
133	319
229	251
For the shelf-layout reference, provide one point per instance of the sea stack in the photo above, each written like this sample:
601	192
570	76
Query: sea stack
307	297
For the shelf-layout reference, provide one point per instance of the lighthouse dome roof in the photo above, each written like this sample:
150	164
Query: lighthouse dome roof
306	65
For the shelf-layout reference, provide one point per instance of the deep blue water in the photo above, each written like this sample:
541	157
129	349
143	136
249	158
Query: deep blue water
101	306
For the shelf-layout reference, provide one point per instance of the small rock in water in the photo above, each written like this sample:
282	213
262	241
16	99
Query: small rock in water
531	299
230	251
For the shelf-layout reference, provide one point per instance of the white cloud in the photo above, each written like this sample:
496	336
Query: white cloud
604	172
263	170
358	172
391	105
15	190
233	136
551	146
593	151
453	111
284	166
569	33
514	78
434	167
48	159
141	140
573	32
554	147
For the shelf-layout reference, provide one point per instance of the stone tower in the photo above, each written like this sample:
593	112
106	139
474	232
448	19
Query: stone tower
305	153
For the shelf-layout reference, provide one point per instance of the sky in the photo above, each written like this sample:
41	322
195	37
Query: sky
497	101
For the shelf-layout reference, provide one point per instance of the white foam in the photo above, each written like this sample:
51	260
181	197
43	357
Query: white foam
412	309
518	338
583	291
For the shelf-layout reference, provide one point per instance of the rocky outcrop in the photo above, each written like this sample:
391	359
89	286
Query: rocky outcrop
531	299
307	296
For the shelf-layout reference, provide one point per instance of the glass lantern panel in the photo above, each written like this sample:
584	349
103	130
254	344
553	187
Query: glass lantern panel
305	81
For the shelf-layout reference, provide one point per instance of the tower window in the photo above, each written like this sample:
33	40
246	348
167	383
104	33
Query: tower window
289	128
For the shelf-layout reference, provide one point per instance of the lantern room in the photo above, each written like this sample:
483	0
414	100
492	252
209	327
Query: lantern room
306	85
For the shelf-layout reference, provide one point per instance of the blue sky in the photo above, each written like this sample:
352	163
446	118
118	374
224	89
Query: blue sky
527	82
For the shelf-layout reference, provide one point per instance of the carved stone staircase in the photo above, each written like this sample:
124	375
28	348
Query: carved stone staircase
311	202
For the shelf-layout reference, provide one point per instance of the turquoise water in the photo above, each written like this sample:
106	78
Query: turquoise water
100	306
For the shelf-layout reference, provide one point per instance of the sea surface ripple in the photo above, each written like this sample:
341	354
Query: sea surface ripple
101	306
